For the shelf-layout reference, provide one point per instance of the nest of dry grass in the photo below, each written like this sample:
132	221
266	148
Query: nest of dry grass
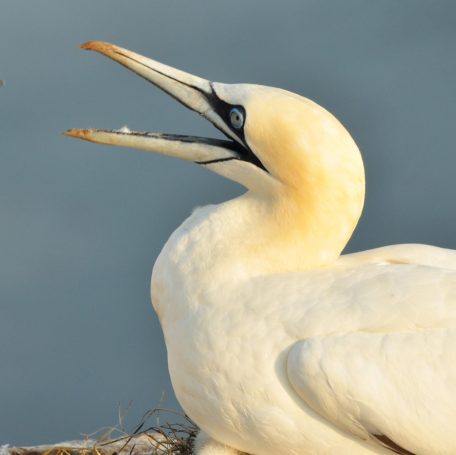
145	439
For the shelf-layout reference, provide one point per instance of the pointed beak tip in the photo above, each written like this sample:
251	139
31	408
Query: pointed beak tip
88	45
98	46
78	133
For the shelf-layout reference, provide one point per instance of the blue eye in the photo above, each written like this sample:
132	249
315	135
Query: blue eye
237	118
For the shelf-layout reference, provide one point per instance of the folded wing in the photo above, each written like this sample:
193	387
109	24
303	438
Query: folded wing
397	389
386	371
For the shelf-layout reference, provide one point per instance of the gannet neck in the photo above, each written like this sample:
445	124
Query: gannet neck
221	246
296	229
257	234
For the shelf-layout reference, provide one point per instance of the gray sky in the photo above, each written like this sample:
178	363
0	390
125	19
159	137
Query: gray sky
81	225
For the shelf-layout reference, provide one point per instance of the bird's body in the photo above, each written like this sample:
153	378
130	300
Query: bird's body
237	340
276	343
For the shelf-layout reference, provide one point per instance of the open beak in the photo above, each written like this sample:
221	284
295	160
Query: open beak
192	91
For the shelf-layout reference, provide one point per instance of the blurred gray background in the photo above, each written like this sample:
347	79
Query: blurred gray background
81	225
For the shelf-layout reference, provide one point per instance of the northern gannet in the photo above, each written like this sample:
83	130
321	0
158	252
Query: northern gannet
277	343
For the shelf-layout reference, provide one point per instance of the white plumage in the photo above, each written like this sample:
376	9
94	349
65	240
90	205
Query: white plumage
276	343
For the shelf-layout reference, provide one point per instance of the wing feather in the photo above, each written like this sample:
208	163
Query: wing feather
399	385
412	253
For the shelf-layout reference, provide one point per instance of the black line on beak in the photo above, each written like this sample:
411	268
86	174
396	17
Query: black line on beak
219	160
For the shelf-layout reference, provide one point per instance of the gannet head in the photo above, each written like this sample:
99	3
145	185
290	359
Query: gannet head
274	136
278	144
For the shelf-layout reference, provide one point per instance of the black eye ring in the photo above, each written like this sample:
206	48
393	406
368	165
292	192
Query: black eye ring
236	118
